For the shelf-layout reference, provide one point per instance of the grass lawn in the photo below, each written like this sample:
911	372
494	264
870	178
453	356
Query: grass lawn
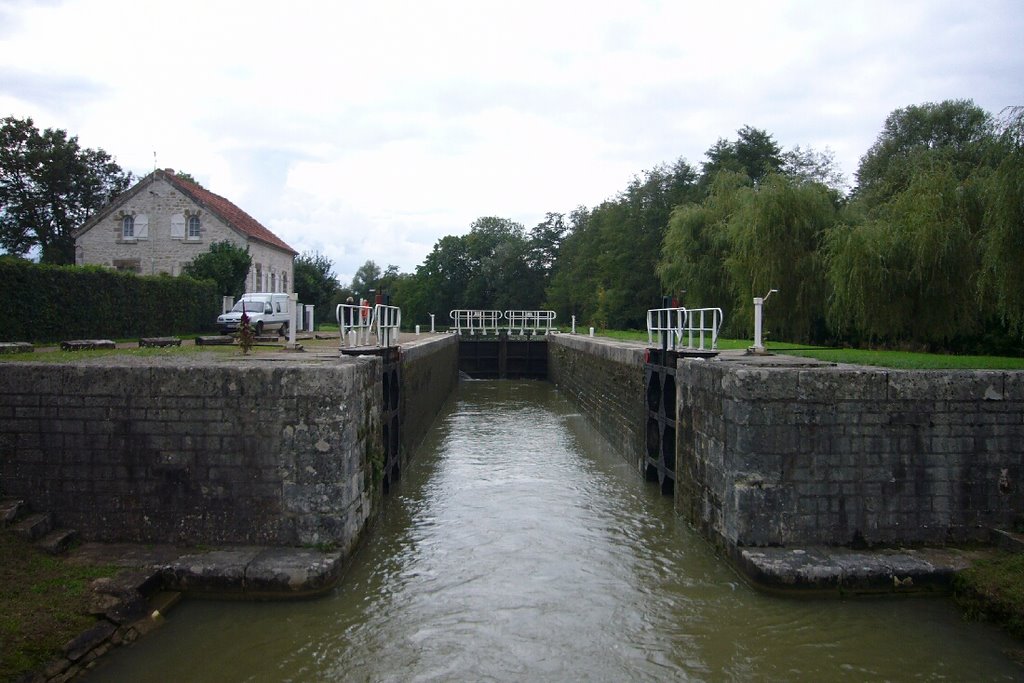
888	359
44	604
994	590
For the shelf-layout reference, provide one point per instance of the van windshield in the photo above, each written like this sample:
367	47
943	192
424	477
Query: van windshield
248	306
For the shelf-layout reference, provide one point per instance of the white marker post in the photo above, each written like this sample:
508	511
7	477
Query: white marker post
758	347
293	299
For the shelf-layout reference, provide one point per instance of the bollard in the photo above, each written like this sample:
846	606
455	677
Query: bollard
574	324
591	331
417	330
431	323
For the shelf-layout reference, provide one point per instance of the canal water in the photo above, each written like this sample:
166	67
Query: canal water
518	547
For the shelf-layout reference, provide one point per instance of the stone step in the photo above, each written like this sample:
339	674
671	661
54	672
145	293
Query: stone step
58	541
12	509
34	526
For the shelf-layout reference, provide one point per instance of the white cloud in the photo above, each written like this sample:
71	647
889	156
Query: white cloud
369	130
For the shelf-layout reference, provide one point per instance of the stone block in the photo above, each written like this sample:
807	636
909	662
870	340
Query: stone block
830	385
947	385
749	383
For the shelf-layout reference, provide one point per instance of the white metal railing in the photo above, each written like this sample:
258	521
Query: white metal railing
536	322
387	321
355	322
683	327
474	322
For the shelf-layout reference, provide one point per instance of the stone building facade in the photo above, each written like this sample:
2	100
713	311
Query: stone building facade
164	221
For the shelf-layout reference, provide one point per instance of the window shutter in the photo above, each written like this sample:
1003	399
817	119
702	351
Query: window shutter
142	227
177	225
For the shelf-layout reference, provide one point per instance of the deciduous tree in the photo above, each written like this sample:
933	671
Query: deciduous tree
316	283
226	264
49	186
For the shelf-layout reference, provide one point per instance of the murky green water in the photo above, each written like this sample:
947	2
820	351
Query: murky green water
519	548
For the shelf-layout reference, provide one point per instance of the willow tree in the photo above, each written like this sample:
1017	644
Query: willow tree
775	236
1003	254
696	245
909	273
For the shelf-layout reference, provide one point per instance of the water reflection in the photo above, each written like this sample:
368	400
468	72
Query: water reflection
519	547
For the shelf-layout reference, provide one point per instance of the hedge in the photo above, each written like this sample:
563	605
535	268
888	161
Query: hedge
57	303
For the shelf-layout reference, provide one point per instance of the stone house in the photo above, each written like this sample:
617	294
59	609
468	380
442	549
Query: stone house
163	222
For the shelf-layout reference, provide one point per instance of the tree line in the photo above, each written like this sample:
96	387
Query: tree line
925	250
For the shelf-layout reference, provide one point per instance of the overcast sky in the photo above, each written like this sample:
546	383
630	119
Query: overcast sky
368	130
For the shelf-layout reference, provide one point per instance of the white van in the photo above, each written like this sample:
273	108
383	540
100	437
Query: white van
266	311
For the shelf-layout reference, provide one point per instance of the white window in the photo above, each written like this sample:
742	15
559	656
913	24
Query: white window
128	227
142	226
177	226
193	227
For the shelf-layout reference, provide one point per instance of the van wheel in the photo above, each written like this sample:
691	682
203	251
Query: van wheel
284	330
259	328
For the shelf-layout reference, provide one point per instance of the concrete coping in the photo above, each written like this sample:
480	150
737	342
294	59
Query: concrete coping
844	571
244	572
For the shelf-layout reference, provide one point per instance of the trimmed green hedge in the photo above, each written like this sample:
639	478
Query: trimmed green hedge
57	303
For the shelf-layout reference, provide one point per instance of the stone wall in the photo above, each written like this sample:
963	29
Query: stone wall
430	371
848	455
221	452
606	379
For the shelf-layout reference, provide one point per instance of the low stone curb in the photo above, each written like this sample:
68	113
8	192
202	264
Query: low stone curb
215	340
159	342
846	571
16	347
87	344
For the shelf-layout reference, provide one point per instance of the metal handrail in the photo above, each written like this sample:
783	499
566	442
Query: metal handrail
673	324
387	321
695	322
536	322
475	321
355	322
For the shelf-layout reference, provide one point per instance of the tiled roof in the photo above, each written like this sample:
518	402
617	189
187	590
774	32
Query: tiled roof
227	211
